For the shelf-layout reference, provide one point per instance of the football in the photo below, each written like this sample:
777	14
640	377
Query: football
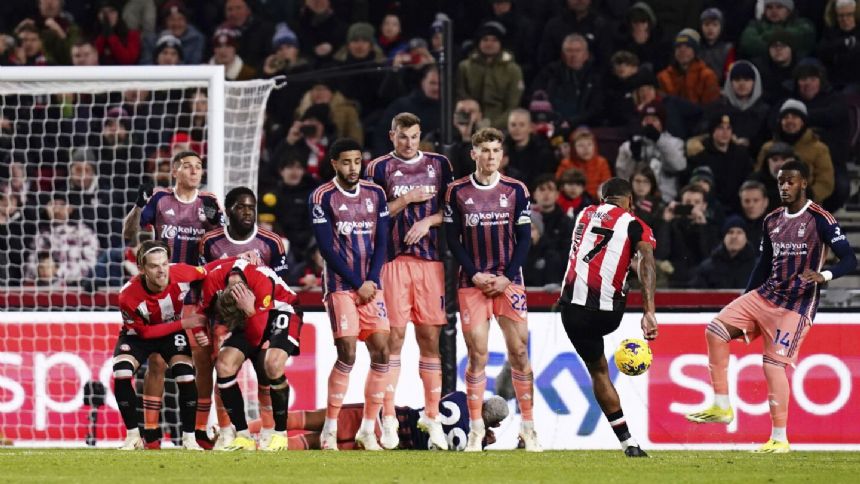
633	356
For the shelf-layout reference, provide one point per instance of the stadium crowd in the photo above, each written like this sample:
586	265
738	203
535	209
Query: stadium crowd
697	102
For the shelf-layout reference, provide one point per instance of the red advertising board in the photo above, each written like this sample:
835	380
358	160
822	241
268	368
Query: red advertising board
825	389
44	366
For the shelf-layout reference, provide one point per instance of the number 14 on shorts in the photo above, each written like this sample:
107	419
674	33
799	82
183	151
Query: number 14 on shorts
781	338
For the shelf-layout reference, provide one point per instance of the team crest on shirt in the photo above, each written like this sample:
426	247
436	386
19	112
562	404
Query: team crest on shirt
503	200
801	231
267	301
369	205
319	214
431	172
201	215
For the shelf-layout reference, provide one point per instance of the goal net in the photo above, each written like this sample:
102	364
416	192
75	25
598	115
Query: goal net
75	145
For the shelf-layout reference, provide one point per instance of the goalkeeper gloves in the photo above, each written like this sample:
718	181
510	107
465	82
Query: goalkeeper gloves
211	211
144	191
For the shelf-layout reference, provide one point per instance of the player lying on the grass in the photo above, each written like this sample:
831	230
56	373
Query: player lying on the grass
151	306
781	299
453	413
259	309
608	241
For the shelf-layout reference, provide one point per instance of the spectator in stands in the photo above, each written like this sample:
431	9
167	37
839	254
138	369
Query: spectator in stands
829	118
168	51
409	64
755	204
577	17
717	52
730	264
84	53
13	174
778	15
777	66
674	15
321	31
192	119
703	177
255	33
585	156
101	211
640	34
793	129
687	76
658	149
360	52
116	43
140	15
491	76
521	35
529	154
839	48
423	102
681	115
174	19
342	111
310	277
310	136
573	84
283	207
390	38
572	197
558	227
687	236
29	50
647	203
15	231
285	60
742	101
618	88
777	155
225	44
466	121
120	161
70	243
544	264
57	30
729	162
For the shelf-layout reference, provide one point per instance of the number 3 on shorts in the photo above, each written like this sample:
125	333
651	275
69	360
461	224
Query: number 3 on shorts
381	309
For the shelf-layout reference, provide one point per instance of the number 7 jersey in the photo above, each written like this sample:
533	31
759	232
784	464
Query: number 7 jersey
604	242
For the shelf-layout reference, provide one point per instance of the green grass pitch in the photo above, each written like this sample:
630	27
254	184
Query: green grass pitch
168	466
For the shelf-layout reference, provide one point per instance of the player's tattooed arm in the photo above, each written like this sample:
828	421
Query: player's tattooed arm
131	225
647	271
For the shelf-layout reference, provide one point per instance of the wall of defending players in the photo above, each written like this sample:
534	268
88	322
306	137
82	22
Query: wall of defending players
45	359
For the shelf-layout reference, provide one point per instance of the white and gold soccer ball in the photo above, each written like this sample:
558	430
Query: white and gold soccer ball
633	356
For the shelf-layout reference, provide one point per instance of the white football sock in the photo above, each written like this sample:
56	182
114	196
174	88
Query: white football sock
722	401
368	426
779	434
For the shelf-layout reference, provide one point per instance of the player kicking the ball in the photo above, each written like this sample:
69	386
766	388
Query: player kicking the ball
151	307
489	229
607	241
781	299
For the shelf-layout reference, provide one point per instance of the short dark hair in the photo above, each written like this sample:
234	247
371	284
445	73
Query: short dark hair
342	145
234	194
695	189
404	120
753	185
798	166
149	246
615	187
543	179
182	154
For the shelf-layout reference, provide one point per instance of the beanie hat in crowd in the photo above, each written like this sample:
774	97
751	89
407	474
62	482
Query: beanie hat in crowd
703	173
810	67
168	40
795	107
846	3
226	36
782	36
688	37
173	6
284	36
644	78
733	222
741	70
789	4
496	29
654	108
360	31
712	13
780	148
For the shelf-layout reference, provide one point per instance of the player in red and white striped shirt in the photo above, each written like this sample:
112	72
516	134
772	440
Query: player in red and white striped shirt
607	240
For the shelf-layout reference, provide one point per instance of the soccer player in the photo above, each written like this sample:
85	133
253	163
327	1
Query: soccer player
780	301
414	278
258	309
179	216
452	407
350	221
489	230
241	237
607	241
151	306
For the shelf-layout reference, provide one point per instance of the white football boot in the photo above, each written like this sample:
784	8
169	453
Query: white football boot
390	439
133	441
433	428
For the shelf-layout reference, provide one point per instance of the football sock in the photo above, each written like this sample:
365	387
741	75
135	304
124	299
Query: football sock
718	356
368	426
778	434
391	387
220	412
476	384
204	406
233	402
264	398
151	411
722	401
777	391
619	425
187	405
299	442
126	400
338	382
374	389
280	394
523	388
430	370
296	420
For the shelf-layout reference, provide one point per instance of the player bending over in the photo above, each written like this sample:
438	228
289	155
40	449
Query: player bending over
608	240
151	307
488	223
781	299
257	307
453	414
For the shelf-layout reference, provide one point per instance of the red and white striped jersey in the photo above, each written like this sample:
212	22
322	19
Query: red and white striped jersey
604	242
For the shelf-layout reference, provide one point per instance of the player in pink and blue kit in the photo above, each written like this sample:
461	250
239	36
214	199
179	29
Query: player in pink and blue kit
350	222
781	299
